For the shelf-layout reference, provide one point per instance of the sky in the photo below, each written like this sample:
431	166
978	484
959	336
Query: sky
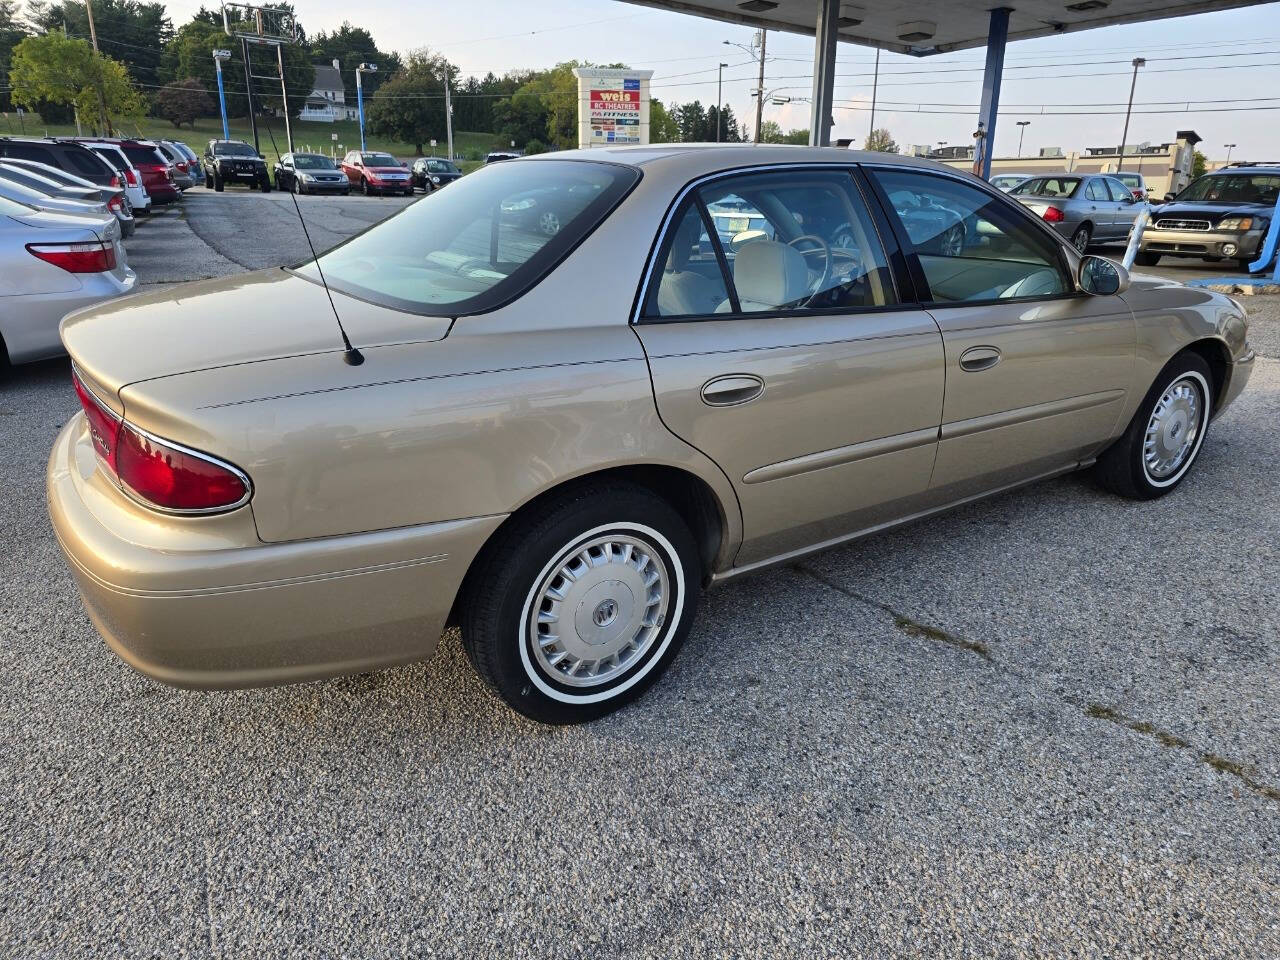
1231	57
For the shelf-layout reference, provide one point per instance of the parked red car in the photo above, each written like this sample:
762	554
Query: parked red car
376	172
155	168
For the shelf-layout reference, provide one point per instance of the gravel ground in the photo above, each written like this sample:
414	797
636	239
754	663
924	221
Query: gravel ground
1043	725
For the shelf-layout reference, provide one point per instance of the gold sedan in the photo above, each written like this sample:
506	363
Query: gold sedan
721	359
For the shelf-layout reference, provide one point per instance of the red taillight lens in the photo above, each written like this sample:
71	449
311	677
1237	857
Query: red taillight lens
156	471
116	203
76	257
131	177
182	167
1054	214
174	478
115	180
104	423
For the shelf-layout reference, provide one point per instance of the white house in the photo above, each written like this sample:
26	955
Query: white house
328	101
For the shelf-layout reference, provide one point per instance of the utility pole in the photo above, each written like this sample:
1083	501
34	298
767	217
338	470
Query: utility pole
720	101
93	33
103	119
448	112
248	92
1022	129
760	87
875	85
1137	62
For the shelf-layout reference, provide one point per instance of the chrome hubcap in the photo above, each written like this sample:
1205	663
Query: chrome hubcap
550	224
1082	240
599	610
953	242
1173	430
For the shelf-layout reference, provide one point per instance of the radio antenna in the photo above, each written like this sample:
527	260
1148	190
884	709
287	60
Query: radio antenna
275	27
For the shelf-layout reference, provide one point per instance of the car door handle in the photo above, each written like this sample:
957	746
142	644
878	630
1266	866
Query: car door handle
731	390
979	358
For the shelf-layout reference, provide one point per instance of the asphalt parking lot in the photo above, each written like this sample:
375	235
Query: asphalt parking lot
1041	725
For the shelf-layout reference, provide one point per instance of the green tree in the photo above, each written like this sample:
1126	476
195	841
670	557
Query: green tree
796	135
521	117
131	32
880	141
770	132
691	119
183	102
65	70
410	106
1199	163
11	33
352	46
662	126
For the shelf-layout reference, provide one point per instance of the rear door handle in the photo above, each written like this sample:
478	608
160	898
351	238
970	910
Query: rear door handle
979	358
731	390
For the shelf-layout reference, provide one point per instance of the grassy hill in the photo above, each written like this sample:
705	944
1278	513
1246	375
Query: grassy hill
470	148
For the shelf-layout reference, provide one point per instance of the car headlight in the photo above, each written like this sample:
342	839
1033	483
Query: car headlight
435	179
1237	223
306	176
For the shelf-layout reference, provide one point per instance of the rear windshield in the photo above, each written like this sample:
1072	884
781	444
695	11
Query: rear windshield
111	156
311	161
145	155
482	242
1060	187
85	162
1234	188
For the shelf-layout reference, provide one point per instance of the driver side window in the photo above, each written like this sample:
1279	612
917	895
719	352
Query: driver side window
795	240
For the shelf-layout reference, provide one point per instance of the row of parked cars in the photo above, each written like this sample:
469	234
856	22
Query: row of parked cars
1223	215
66	206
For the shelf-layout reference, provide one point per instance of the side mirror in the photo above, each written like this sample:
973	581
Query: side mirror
1168	197
1101	277
262	156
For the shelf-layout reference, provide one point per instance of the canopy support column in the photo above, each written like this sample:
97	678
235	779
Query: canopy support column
997	37
824	73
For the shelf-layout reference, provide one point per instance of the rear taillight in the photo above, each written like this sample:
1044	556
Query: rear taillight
115	180
182	167
116	203
95	257
1137	194
131	178
157	472
1054	214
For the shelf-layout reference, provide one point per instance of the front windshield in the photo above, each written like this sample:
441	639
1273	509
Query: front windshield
234	150
481	242
379	160
312	161
1234	188
441	166
1061	187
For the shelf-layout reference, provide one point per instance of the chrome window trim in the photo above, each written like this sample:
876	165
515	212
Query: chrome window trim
173	445
848	166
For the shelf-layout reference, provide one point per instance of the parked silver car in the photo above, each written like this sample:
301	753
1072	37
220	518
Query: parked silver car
59	183
185	176
134	188
1007	181
51	264
1081	207
31	197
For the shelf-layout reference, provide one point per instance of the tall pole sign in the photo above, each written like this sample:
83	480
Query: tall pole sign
218	57
613	106
362	69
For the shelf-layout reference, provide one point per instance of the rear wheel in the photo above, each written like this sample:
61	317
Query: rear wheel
575	610
265	185
1147	259
1166	433
364	185
217	183
208	181
1080	239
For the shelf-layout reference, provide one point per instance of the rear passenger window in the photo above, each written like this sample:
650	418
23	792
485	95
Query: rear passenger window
1096	190
1119	191
31	151
85	163
973	246
792	240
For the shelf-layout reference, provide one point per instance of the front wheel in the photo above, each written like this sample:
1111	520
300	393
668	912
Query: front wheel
575	610
1165	435
208	181
1147	259
265	186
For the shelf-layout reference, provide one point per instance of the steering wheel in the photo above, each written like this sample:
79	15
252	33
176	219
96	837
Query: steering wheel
822	247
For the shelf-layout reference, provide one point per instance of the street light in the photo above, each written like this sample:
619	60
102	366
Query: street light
1230	147
218	57
363	68
1137	62
720	100
1022	129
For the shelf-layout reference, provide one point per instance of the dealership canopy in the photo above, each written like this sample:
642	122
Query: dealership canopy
926	27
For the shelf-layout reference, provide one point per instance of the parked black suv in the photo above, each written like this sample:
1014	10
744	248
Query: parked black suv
234	161
1223	215
62	154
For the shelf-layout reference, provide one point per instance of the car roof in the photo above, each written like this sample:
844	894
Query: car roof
1267	169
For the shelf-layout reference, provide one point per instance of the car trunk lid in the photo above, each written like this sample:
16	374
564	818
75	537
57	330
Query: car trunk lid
226	321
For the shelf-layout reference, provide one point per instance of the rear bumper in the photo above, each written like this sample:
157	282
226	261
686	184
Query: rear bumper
204	604
1201	243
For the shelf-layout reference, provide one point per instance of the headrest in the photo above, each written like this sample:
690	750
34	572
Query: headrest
769	274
